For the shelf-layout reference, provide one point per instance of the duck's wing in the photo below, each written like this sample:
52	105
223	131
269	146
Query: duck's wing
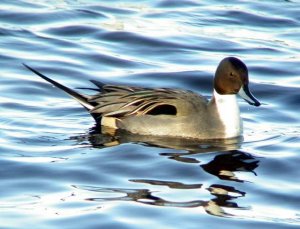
119	101
122	101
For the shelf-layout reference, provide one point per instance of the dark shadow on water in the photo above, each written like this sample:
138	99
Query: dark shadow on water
224	164
223	197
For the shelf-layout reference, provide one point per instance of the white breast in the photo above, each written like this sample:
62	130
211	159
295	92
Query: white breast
229	113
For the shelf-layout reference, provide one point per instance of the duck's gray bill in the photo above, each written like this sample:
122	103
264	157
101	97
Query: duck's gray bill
246	95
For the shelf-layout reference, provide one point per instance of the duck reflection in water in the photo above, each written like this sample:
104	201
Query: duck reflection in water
223	196
107	137
224	165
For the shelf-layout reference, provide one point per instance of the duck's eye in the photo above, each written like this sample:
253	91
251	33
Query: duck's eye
232	74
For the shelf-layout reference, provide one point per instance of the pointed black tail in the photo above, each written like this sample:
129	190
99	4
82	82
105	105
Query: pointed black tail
80	98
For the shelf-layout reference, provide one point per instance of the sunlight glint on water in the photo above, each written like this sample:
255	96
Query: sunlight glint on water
58	171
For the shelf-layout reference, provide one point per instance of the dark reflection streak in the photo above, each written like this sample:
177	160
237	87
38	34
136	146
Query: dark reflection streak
144	196
170	184
223	197
224	165
178	157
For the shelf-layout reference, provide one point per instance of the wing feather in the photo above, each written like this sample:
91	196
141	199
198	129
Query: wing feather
120	102
106	107
123	101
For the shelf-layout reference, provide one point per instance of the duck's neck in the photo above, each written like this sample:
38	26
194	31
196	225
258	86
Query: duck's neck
229	114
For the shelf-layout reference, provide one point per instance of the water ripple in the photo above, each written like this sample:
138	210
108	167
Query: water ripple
58	169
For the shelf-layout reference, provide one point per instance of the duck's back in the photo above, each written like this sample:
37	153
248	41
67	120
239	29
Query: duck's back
165	112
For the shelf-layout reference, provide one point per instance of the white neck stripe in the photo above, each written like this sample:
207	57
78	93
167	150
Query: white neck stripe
229	113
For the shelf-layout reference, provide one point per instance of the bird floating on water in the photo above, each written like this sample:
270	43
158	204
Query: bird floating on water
171	112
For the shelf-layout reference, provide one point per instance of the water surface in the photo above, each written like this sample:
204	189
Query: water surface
57	170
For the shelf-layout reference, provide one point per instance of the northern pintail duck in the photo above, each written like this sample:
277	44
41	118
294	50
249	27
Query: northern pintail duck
171	112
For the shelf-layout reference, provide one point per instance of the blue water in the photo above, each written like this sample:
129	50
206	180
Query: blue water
58	171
